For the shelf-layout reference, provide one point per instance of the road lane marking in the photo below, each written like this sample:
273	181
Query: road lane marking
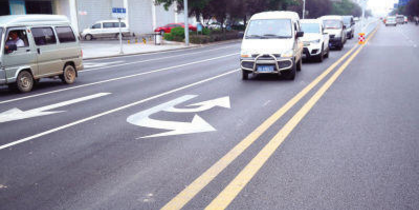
198	124
241	180
116	79
204	179
114	110
143	61
17	114
157	53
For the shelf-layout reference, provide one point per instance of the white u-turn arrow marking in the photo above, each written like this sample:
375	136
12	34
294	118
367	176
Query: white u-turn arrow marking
197	125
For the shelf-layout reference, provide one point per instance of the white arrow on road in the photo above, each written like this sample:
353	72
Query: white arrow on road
202	106
197	125
17	114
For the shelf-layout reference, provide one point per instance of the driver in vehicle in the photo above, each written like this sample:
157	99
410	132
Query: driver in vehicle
14	39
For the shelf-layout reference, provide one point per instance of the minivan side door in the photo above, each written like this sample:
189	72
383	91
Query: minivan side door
24	57
109	29
49	62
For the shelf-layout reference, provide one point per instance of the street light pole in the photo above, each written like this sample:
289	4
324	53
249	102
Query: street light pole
186	25
303	12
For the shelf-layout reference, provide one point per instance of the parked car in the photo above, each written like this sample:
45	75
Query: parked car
214	26
315	40
167	28
106	29
271	45
349	23
35	47
334	26
391	20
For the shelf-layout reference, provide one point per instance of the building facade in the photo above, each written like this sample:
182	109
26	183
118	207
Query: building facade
143	16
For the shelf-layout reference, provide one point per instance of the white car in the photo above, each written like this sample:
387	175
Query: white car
106	28
391	20
271	45
334	26
315	40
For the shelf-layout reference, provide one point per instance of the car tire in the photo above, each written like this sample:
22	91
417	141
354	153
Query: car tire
340	46
24	82
299	65
244	75
328	52
69	74
290	75
320	57
88	37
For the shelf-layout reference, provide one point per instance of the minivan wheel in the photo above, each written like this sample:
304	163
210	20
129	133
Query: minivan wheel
69	75
88	37
24	82
290	75
299	65
244	75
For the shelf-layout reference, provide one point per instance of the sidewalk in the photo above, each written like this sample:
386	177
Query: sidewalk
111	48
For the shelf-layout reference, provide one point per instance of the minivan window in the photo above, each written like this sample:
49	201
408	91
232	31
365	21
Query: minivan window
310	28
347	21
44	36
65	34
108	25
98	25
269	28
116	25
332	24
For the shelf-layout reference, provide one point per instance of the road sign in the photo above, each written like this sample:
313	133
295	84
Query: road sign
361	38
119	12
17	114
197	125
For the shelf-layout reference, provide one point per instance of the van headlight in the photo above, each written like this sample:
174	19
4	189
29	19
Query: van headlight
245	54
315	41
287	54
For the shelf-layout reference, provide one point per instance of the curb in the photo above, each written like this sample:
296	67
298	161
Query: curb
168	50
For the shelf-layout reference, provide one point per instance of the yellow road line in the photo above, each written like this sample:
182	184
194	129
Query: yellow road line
203	180
242	179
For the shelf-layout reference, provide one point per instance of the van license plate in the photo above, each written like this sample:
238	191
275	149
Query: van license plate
265	69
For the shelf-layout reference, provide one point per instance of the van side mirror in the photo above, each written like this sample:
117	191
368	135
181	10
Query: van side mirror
241	34
10	48
344	27
299	34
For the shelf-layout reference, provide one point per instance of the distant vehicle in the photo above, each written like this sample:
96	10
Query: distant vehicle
315	41
349	23
271	45
357	19
405	19
35	47
400	19
214	26
335	27
167	28
106	29
391	20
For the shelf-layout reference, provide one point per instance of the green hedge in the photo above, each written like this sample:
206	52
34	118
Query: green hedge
207	36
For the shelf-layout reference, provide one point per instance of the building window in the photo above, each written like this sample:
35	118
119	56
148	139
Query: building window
38	7
4	8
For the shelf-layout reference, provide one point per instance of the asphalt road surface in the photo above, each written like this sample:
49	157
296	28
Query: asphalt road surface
182	130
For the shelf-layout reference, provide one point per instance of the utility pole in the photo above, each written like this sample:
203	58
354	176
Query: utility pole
303	12
186	25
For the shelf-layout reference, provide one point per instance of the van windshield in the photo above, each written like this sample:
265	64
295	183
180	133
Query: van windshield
347	21
269	29
332	24
312	28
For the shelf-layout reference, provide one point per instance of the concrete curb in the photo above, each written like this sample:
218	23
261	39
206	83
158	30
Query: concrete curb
167	50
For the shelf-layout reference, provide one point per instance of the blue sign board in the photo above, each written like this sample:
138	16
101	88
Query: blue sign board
403	2
119	12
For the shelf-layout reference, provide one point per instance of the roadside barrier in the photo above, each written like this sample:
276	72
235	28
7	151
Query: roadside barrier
362	38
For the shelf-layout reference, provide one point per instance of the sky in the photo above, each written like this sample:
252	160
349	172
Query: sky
381	7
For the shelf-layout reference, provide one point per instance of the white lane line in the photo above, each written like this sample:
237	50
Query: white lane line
142	61
91	65
113	110
266	103
116	79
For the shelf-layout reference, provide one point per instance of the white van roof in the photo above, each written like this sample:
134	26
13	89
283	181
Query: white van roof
110	21
24	20
276	15
311	21
331	17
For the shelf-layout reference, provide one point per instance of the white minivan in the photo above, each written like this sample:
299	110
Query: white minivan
334	26
35	47
271	45
106	29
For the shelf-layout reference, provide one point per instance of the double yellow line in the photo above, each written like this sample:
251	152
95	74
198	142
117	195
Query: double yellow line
240	181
